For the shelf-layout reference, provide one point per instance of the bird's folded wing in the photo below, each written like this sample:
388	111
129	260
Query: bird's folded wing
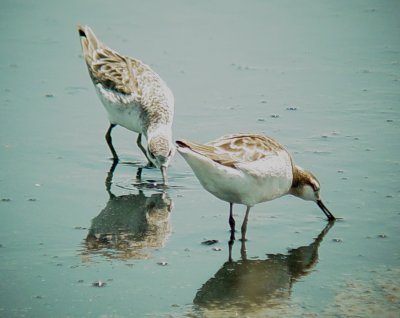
238	150
211	153
111	69
247	148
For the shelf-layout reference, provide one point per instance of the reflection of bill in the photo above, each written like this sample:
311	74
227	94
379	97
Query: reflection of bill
130	225
254	286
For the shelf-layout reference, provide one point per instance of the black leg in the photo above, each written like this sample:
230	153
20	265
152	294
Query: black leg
109	142
139	143
231	221
232	225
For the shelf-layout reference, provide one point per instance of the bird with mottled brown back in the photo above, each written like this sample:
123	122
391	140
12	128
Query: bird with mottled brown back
134	96
249	169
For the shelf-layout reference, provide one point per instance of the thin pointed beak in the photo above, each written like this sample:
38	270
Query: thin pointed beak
324	209
164	175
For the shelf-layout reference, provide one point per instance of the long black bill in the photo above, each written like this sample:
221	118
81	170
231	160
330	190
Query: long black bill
324	209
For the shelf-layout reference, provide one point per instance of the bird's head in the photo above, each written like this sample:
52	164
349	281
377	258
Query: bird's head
160	150
306	186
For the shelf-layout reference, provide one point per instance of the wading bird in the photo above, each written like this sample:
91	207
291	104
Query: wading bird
249	169
134	96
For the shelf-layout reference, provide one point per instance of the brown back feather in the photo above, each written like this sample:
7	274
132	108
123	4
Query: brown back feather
234	149
111	69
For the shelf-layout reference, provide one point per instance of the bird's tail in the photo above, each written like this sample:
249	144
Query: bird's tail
89	42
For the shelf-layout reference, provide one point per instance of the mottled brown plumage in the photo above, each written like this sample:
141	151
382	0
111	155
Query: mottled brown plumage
134	96
249	169
231	150
111	69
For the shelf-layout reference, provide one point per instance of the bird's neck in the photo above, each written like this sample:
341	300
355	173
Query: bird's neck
298	177
159	129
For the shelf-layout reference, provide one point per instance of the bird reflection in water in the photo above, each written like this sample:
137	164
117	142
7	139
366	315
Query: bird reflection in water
129	226
253	286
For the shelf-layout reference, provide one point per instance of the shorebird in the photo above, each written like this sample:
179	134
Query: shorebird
249	169
134	96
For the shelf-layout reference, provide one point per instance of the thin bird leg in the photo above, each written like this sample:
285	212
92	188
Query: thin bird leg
232	238
139	143
231	221
109	142
244	224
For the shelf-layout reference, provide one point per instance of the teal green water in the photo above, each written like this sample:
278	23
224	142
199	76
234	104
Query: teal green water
321	77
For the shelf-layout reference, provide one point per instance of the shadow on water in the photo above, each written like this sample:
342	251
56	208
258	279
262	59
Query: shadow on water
253	286
129	226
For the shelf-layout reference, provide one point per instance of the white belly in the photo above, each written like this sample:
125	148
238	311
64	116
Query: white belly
241	186
121	109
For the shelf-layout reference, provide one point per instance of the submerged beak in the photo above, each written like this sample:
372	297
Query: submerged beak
164	175
324	209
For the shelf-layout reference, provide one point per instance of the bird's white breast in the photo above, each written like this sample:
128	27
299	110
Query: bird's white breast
122	109
250	183
268	178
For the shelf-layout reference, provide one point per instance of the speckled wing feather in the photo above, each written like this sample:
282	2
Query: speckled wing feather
111	69
231	150
209	152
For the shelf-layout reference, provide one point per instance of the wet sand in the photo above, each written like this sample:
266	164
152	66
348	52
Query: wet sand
80	240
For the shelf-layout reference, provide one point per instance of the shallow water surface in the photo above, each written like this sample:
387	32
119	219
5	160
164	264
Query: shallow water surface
81	237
